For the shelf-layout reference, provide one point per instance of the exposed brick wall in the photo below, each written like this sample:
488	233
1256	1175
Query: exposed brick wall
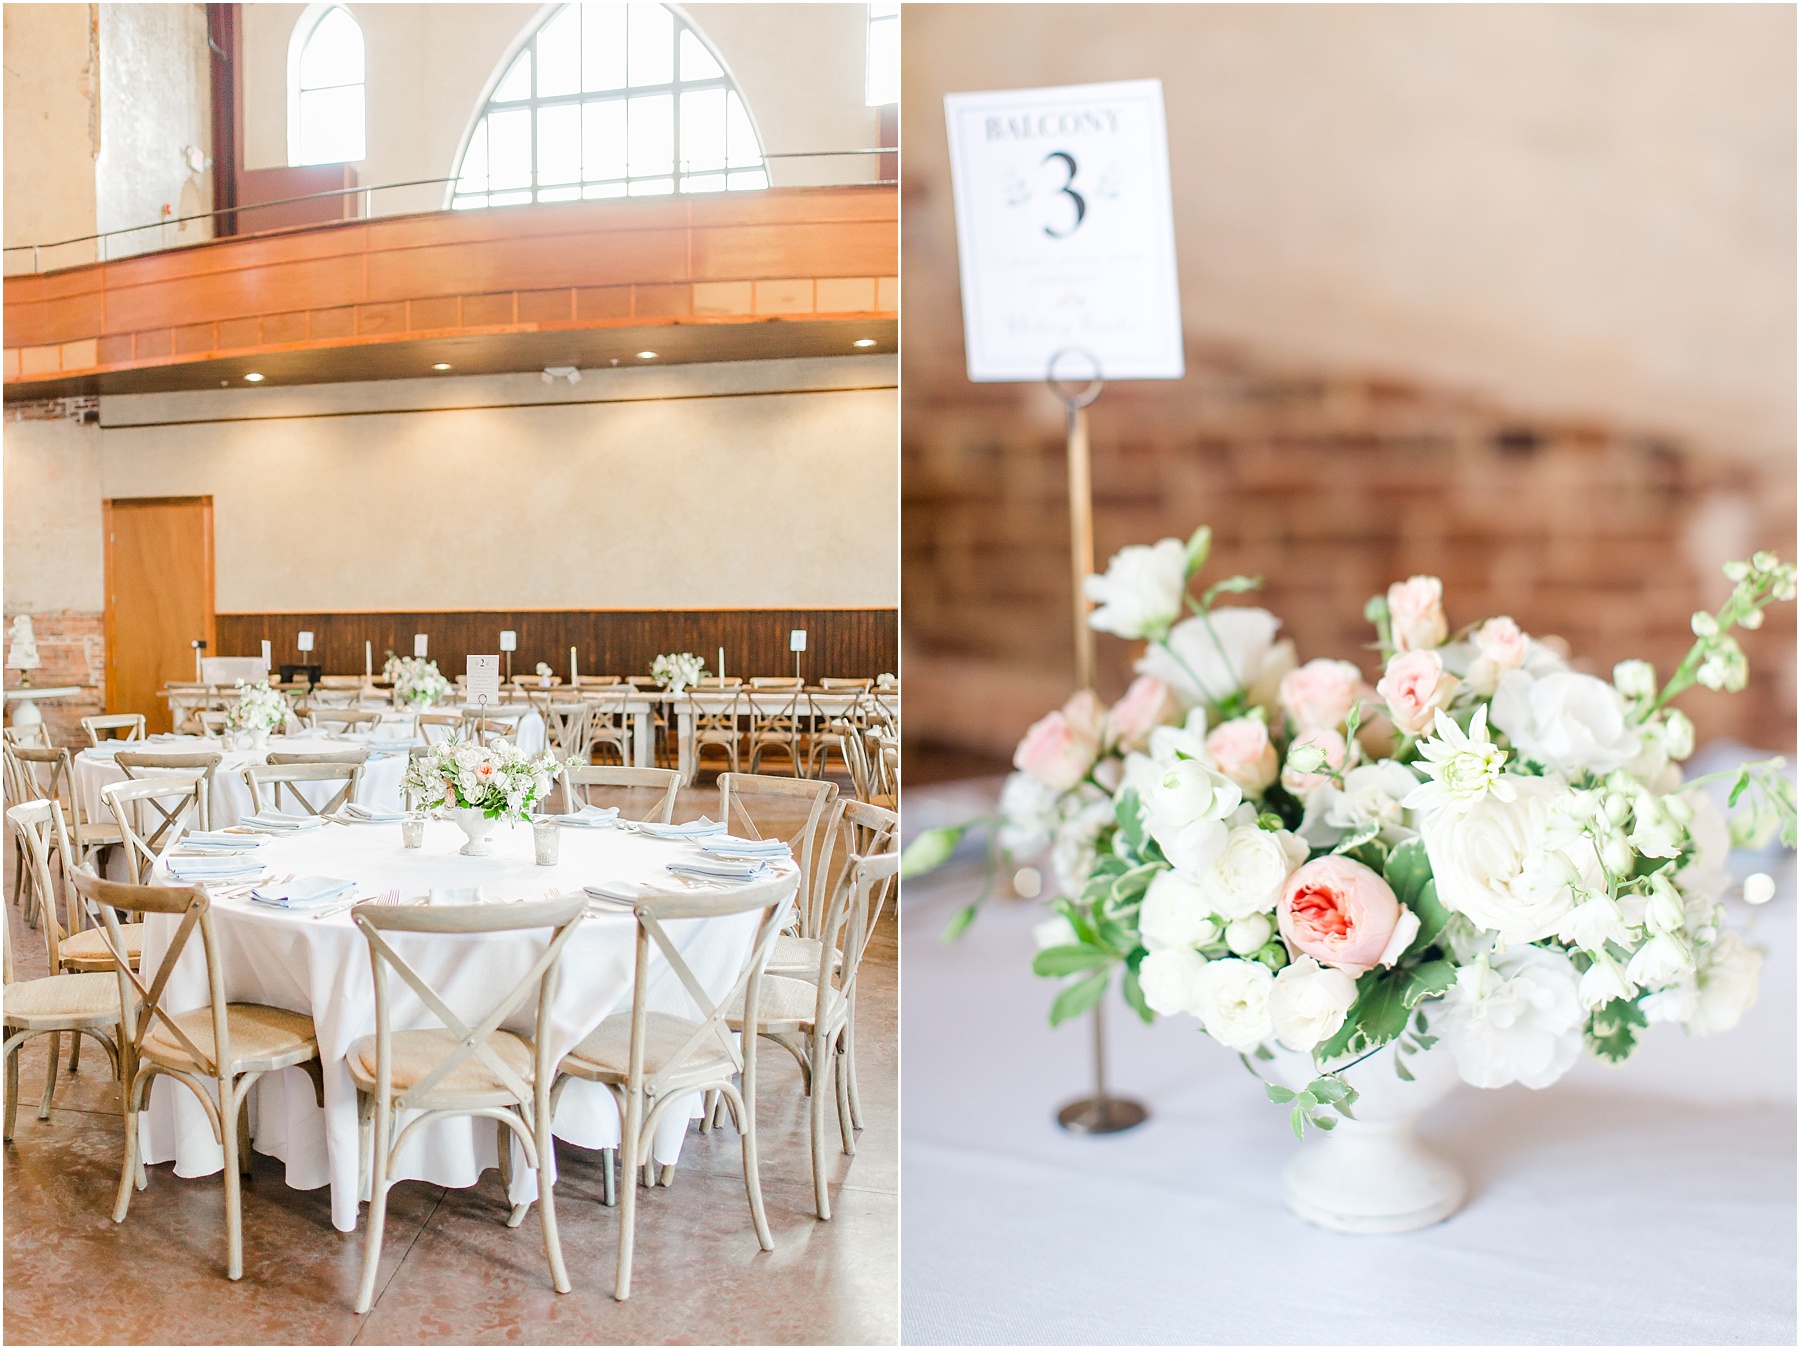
72	648
79	408
1329	488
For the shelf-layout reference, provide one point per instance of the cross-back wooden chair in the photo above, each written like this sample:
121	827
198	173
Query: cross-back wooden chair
341	719
775	682
811	1017
566	729
42	1005
81	1004
33	733
650	1060
50	773
218	1050
213	721
790	809
715	723
358	754
641	794
609	719
856	760
598	681
777	713
74	946
489	731
152	813
280	778
202	765
830	733
461	1067
717	682
436	727
129	724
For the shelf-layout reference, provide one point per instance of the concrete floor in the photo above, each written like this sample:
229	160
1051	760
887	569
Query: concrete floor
451	1270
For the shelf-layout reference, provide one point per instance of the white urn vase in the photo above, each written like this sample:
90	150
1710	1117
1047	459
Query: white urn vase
476	827
1373	1173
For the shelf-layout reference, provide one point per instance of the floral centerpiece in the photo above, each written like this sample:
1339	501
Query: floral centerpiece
416	681
676	672
259	710
545	674
1487	854
479	786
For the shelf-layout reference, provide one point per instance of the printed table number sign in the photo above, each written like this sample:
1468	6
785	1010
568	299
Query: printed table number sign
484	679
1065	232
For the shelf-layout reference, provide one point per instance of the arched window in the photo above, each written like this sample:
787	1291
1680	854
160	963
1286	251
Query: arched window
325	111
610	100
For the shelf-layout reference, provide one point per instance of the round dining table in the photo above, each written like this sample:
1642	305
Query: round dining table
317	963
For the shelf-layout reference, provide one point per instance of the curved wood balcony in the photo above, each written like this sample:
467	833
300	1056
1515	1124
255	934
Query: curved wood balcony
733	276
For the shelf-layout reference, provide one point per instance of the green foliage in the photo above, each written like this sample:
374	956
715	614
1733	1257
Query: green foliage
1408	873
1612	1030
959	923
1078	997
1384	1001
1133	991
1231	585
1329	1090
930	850
1055	961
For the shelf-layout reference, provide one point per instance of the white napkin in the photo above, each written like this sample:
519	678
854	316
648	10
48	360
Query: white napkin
693	829
615	893
590	817
461	894
269	819
214	868
368	815
724	845
720	869
308	892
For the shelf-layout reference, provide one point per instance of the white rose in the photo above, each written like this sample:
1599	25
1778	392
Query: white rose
1308	1003
1170	980
1567	721
1185	806
1231	998
1141	593
1517	1018
1497	863
1176	914
1726	985
1247	875
1214	656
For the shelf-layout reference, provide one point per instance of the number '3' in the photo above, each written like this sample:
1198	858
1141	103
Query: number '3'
1068	190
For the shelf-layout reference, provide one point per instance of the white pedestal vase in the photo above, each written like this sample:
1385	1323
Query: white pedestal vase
1373	1173
476	827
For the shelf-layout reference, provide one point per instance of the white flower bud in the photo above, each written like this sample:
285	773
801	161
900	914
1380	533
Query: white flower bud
1635	678
1245	935
1752	620
1704	624
1759	888
1616	855
1765	561
1678	738
1736	571
1678	808
1618	806
1665	912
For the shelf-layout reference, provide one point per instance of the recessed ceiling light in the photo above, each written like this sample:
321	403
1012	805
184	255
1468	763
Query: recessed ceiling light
863	342
253	377
646	355
441	365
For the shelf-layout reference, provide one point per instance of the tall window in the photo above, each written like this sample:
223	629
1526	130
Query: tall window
610	100
884	53
327	108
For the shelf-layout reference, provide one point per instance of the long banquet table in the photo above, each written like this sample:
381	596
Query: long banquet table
319	965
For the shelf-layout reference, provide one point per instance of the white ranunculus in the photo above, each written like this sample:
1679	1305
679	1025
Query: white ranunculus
1566	721
1247	875
1170	980
1231	998
1498	863
1726	985
1247	936
1185	806
1175	914
1140	596
1211	657
1308	1003
1514	1018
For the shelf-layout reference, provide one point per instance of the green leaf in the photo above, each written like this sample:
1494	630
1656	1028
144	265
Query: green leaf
1279	1095
1325	1122
1264	1052
1077	998
1372	854
1297	1119
1053	962
1305	1101
1134	998
1384	1003
930	850
958	924
1612	1030
1231	585
1433	915
1401	1069
1328	1089
1130	816
1350	842
1407	870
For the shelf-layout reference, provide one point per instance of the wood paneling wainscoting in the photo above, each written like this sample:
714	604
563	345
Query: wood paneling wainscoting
845	643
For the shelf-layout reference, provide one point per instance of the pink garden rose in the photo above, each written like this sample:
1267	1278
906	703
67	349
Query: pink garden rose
1321	693
1242	751
1416	613
1059	749
1340	913
1499	647
1147	704
1415	686
1332	743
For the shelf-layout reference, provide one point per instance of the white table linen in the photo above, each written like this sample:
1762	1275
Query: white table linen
1653	1203
320	966
380	786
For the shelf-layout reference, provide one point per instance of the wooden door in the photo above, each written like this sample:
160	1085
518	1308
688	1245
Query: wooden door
159	598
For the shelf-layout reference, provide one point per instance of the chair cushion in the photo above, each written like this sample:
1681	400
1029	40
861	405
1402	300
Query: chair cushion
417	1052
260	1036
88	950
784	1002
798	958
84	998
606	1053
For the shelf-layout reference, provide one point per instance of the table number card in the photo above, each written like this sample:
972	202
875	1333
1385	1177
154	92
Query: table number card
484	678
1064	230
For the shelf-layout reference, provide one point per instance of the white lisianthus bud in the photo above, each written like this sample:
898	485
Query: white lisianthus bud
1245	935
1759	888
1635	678
1617	807
1307	758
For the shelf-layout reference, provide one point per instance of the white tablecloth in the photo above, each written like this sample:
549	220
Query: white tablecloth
1652	1203
320	966
380	786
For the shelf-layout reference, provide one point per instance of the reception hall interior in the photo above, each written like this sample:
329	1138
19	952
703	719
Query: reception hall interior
452	737
1497	295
